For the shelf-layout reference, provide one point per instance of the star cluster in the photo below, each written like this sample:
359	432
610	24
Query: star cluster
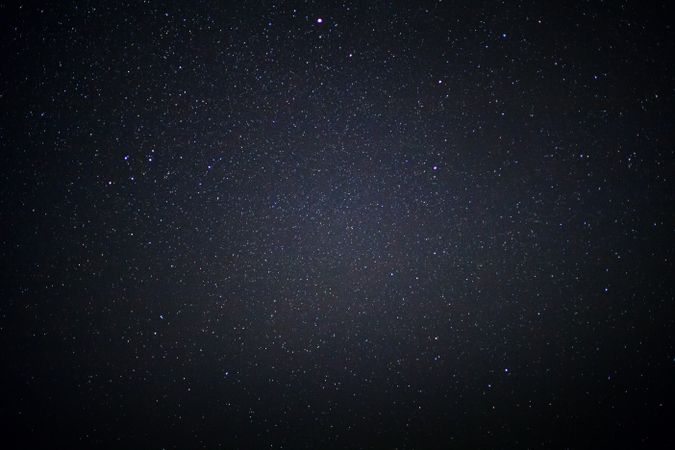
337	224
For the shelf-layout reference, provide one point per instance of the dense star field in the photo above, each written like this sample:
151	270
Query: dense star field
275	224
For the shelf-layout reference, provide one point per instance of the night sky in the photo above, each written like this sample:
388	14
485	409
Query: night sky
321	225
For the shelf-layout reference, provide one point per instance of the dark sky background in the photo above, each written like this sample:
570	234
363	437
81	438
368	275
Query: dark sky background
337	225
